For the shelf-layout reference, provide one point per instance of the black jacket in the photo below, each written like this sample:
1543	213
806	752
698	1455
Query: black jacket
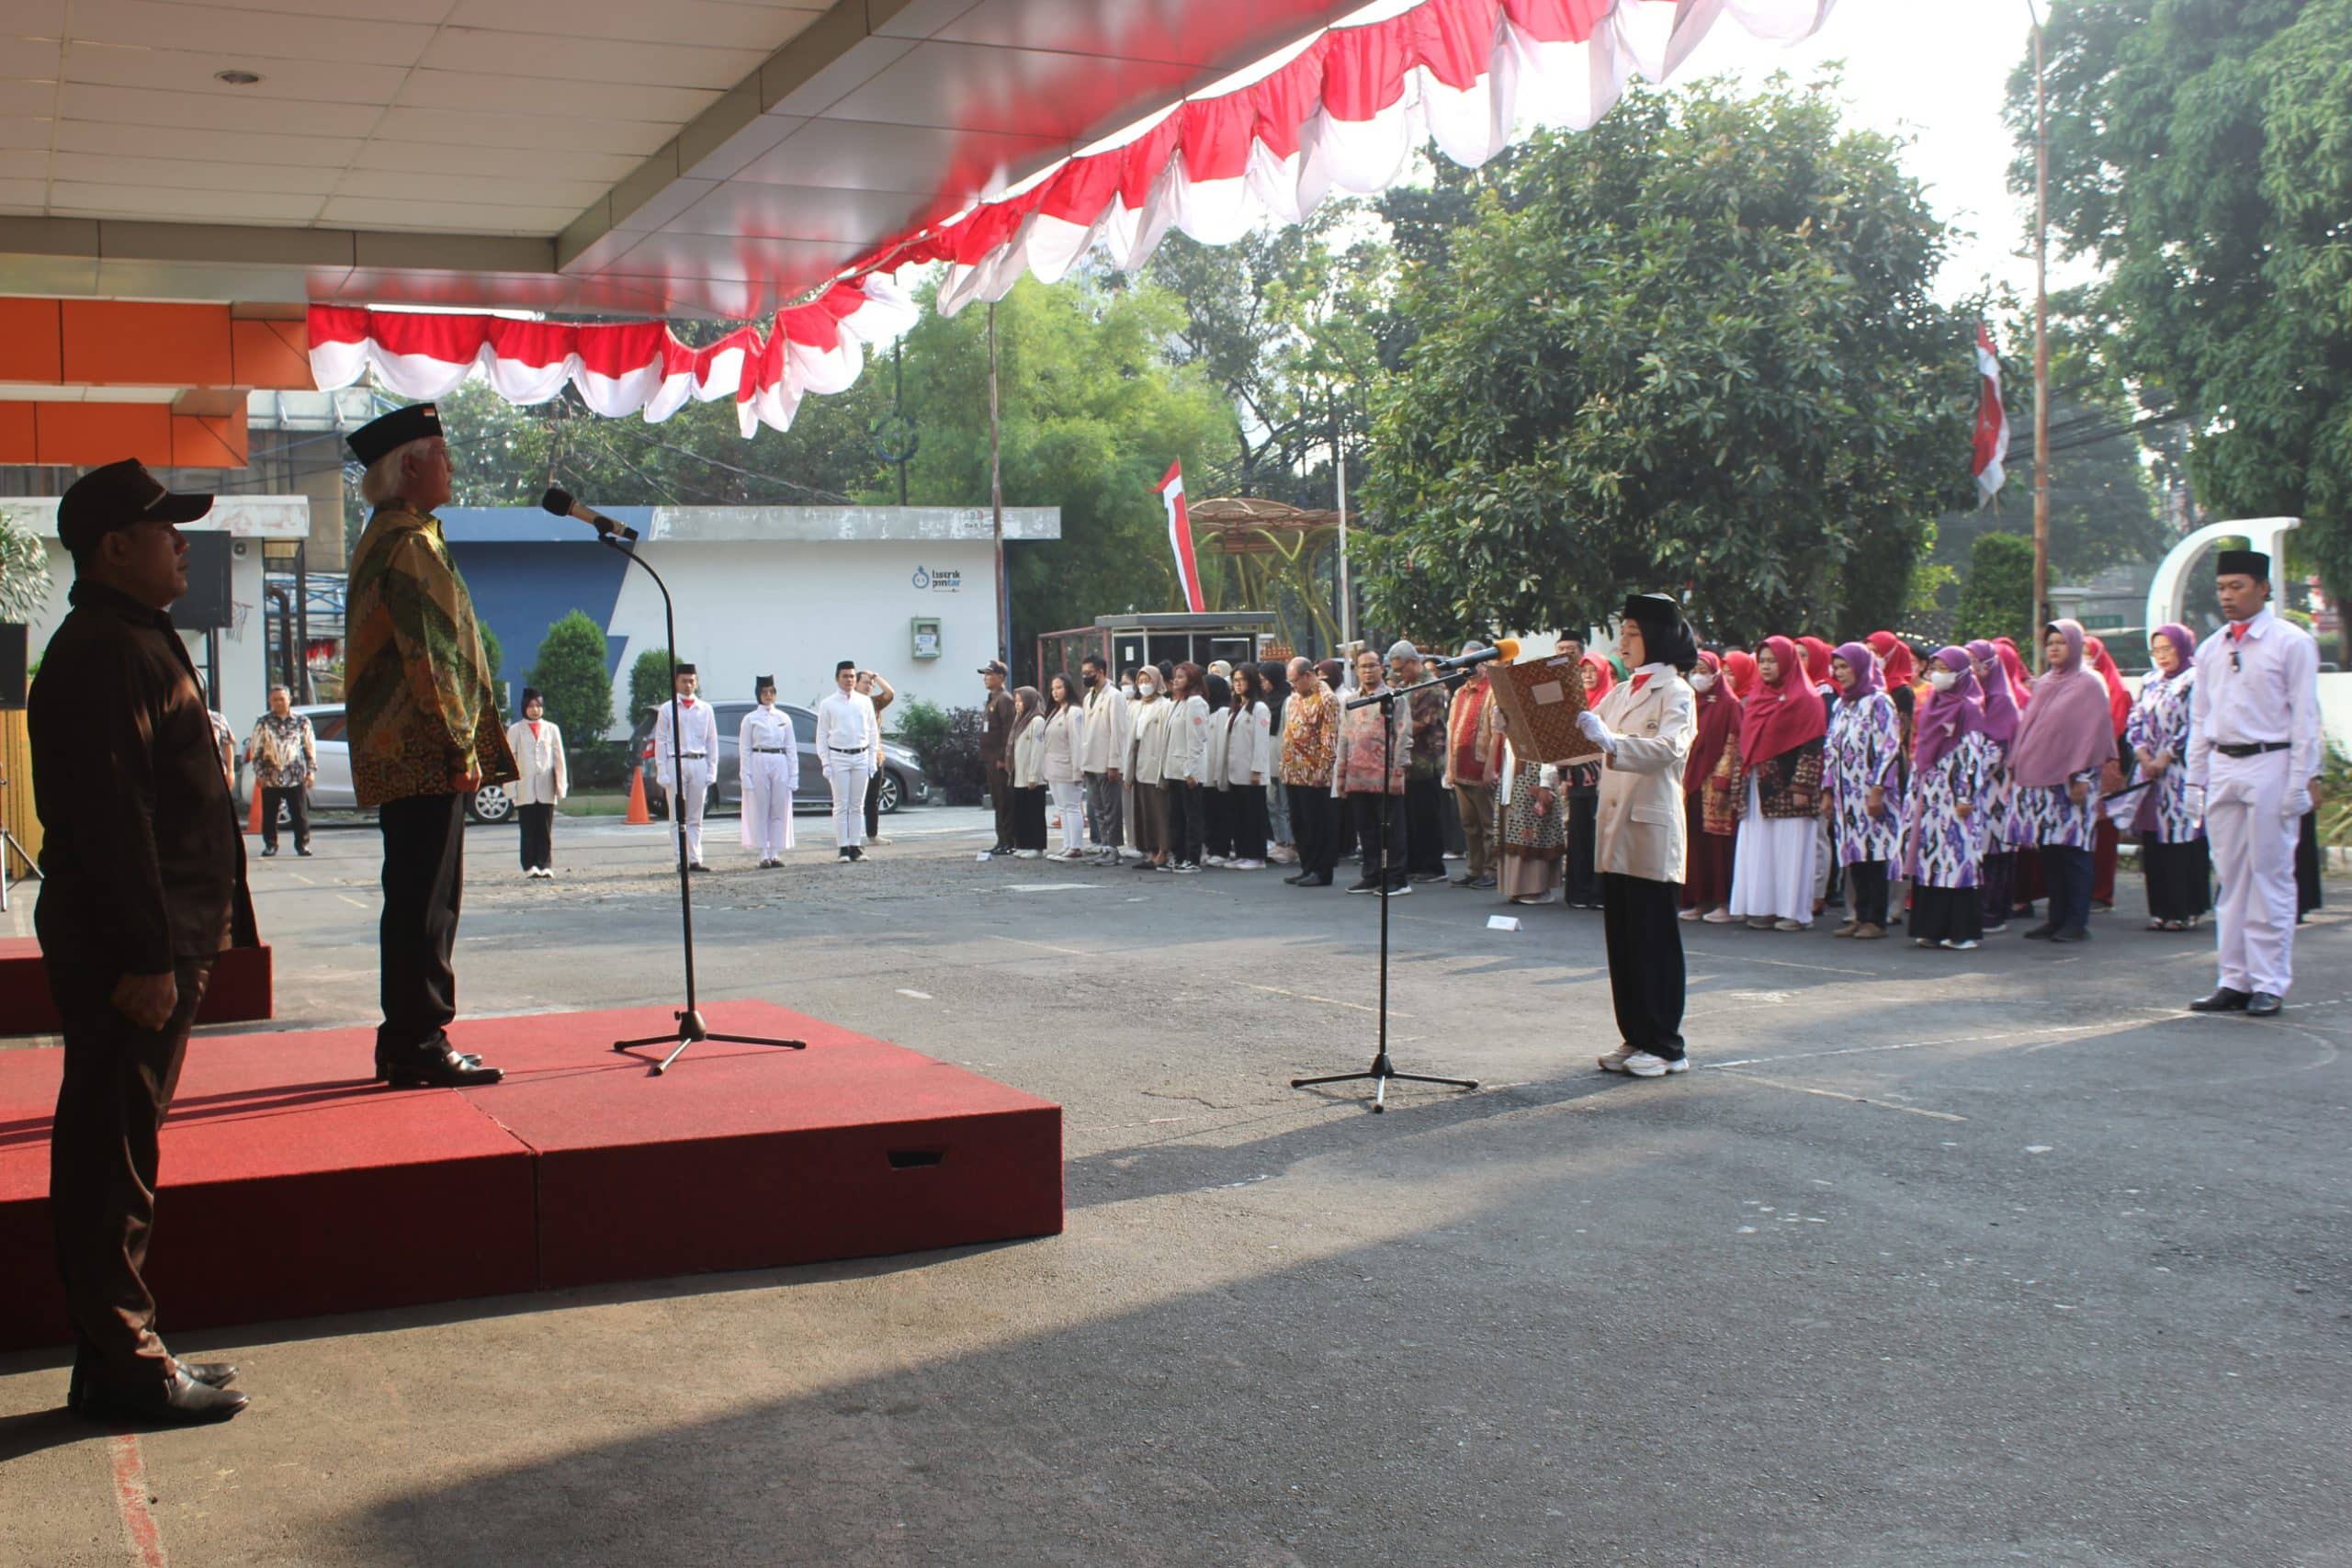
143	857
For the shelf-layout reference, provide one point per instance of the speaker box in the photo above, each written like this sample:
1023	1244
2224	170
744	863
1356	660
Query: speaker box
12	666
206	606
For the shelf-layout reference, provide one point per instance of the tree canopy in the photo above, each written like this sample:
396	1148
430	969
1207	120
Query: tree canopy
572	675
1691	349
2201	151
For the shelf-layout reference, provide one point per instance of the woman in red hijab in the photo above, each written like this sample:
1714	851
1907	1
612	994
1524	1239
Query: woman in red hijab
1711	816
2118	709
1816	667
1780	727
1895	659
1740	666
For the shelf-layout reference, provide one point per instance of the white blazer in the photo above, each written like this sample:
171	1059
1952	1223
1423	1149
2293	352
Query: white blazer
1065	742
544	779
1640	822
1147	741
1245	744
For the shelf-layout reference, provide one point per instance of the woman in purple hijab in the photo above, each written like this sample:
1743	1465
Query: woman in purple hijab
1863	786
2002	828
2172	841
2066	737
1953	767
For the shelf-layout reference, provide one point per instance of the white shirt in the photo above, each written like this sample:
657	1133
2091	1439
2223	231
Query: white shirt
768	731
845	722
699	733
2267	692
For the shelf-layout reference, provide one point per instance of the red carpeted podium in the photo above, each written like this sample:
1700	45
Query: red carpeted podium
292	1185
240	992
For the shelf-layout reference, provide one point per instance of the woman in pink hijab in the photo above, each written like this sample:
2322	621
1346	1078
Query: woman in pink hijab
2066	738
2001	829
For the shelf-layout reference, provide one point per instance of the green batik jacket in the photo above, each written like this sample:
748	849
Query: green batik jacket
423	712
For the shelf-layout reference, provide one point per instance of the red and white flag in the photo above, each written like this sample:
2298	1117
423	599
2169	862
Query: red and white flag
1992	423
1180	537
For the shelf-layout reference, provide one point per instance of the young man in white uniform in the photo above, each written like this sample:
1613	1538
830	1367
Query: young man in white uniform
697	742
1102	762
769	754
849	748
2254	763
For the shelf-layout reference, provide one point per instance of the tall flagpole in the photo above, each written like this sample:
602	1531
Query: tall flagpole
1347	588
2041	339
996	509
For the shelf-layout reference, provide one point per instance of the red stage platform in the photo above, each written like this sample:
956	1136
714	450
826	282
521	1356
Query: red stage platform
293	1185
240	991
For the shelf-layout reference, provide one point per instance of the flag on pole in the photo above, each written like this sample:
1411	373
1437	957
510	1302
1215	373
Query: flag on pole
1992	423
1179	536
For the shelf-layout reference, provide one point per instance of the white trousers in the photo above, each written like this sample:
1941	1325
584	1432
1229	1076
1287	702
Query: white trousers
2253	860
696	794
1070	799
767	805
848	776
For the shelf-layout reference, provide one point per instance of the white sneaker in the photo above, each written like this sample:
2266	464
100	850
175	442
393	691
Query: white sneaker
1216	860
1245	865
1967	946
1615	1061
1643	1065
1025	854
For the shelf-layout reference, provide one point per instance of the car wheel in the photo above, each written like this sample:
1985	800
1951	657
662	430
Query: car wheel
491	804
891	795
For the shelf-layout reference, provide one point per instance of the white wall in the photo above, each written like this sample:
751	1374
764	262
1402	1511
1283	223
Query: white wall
748	608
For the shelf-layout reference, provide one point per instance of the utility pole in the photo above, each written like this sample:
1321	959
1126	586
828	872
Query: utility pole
996	509
2041	339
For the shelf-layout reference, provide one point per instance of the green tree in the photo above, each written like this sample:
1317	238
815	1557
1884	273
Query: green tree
1693	348
572	675
1997	600
2202	152
649	682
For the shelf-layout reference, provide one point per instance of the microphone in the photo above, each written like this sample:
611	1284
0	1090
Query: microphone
1506	650
559	501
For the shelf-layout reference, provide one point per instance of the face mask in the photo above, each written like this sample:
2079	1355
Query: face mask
1944	679
1146	689
1702	682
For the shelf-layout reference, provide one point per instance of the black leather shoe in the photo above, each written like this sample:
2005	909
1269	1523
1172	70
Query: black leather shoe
436	1065
1295	877
2042	932
181	1400
267	851
1320	879
219	1374
1482	884
2072	933
2262	1004
2222	1000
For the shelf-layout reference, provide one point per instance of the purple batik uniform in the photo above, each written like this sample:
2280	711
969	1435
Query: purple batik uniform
1865	737
2159	724
1946	848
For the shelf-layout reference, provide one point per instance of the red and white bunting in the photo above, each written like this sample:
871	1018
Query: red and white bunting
1180	537
1343	111
1992	446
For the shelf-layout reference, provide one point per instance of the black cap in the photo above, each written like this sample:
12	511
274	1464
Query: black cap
2250	563
116	497
994	667
393	431
684	669
761	684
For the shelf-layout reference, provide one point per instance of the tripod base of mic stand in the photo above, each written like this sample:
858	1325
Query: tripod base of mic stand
1380	1073
690	1030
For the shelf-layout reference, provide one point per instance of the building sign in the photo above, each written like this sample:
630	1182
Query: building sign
938	581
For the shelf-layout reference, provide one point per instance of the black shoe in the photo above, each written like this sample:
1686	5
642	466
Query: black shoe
1364	885
2072	933
2262	1004
1465	880
303	850
1001	850
2224	999
179	1401
219	1374
1483	884
1320	879
267	851
843	857
1296	878
2041	932
437	1065
1427	876
855	852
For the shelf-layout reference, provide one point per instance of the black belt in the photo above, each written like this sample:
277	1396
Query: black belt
2251	748
848	750
694	756
770	751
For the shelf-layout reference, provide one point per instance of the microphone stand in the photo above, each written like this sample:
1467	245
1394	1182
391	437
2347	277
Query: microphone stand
1383	1072
690	1028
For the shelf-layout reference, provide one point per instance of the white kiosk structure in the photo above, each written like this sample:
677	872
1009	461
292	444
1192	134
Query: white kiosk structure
2267	535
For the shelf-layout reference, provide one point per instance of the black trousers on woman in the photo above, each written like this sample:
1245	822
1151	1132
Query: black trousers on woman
874	807
2068	870
1187	829
1217	821
1029	818
1247	812
1866	891
2180	880
1644	936
538	835
1313	828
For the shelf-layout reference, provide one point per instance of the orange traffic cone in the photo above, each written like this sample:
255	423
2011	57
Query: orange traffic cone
638	810
252	817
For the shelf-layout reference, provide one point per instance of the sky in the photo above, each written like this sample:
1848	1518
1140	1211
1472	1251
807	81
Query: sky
1910	70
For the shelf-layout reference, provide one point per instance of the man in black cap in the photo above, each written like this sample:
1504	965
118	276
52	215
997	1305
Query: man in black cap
144	885
423	722
2254	766
996	752
1643	728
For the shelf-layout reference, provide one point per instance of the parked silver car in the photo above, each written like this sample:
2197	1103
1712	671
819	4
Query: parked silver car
332	789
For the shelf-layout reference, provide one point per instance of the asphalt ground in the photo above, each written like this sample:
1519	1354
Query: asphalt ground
1935	1258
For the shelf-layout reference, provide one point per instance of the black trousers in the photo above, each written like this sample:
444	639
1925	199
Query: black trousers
424	879
2068	872
874	807
1217	821
1029	816
1246	808
1644	934
1383	860
297	811
1582	877
118	1083
1187	823
1947	914
1993	879
1866	891
1313	827
538	835
2180	878
1424	806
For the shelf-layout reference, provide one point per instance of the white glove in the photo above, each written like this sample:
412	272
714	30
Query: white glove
1600	733
2193	796
2297	804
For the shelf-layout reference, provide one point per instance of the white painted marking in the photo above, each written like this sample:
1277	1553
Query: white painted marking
1329	1001
1052	886
1854	1098
919	995
1049	947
